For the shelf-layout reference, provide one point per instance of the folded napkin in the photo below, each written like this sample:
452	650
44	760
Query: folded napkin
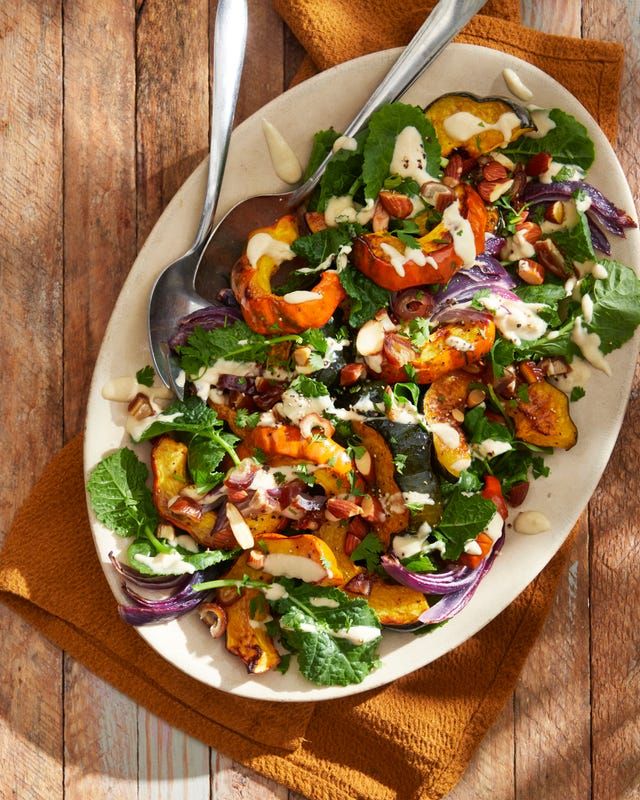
410	740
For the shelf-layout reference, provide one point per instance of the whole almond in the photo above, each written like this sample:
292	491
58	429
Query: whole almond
530	231
397	205
551	258
380	221
538	164
453	170
555	212
493	171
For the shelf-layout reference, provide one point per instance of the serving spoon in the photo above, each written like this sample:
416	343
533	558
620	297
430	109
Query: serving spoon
174	296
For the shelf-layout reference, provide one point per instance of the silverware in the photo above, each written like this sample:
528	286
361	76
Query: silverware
228	238
173	294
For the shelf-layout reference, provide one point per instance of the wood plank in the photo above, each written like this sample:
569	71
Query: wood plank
293	56
172	113
172	101
172	765
552	697
232	781
615	556
563	18
31	357
491	770
99	181
100	738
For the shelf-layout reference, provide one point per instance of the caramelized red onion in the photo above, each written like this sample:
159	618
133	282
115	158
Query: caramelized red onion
214	316
412	303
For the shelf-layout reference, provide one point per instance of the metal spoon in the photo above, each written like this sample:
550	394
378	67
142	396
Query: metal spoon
173	294
228	238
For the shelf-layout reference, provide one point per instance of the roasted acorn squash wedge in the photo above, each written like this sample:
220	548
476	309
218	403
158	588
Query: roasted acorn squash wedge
445	395
247	636
304	556
396	606
477	124
544	419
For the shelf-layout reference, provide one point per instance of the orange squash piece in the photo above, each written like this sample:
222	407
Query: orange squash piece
445	395
544	419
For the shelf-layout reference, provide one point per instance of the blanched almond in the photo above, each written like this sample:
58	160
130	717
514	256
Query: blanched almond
370	338
241	531
364	464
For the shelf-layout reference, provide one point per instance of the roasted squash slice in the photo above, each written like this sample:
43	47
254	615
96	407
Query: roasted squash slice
444	396
247	636
335	534
304	556
286	440
395	605
169	467
544	420
477	124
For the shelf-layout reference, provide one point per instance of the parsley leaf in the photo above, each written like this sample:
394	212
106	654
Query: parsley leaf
369	550
146	375
120	497
246	420
577	393
400	462
308	387
384	126
319	635
321	147
616	304
366	297
568	142
317	247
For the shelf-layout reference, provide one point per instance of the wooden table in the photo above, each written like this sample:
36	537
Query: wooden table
103	113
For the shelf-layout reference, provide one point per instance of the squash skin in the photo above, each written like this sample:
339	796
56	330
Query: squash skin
437	358
443	396
250	642
488	109
270	314
286	440
370	259
169	468
544	420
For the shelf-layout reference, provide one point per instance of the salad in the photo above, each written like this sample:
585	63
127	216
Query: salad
386	374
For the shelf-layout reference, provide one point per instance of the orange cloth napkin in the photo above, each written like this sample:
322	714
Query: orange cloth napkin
411	740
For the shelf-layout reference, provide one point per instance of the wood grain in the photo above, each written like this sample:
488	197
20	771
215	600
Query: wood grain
31	357
232	781
563	17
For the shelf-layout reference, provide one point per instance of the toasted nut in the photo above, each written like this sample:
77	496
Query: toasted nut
372	509
166	531
475	397
380	221
519	184
555	212
314	423
255	559
453	170
551	258
530	231
530	271
315	221
531	372
385	320
485	188
518	493
397	205
352	373
493	171
437	194
364	464
350	543
505	386
357	528
538	164
215	617
239	528
186	507
554	366
458	415
222	540
301	355
340	508
359	584
227	595
504	160
140	407
490	191
370	338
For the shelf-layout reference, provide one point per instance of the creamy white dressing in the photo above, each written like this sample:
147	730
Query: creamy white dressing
275	591
398	259
223	366
495	526
343	209
587	308
460	465
576	173
267	420
418	498
458	343
409	159
461	233
166	564
262	244
334	346
570	219
324	602
515	84
301	296
284	160
517	247
186	542
123	390
599	271
583	203
463	126
358	634
289	566
515	319
136	427
531	522
472	548
407	546
263	479
295	407
578	376
589	344
490	448
542	121
344	143
584	268
448	435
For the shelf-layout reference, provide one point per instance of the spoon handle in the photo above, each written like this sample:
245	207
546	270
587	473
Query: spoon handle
229	44
444	22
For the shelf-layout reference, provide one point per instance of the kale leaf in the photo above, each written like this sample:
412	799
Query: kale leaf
366	296
568	142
